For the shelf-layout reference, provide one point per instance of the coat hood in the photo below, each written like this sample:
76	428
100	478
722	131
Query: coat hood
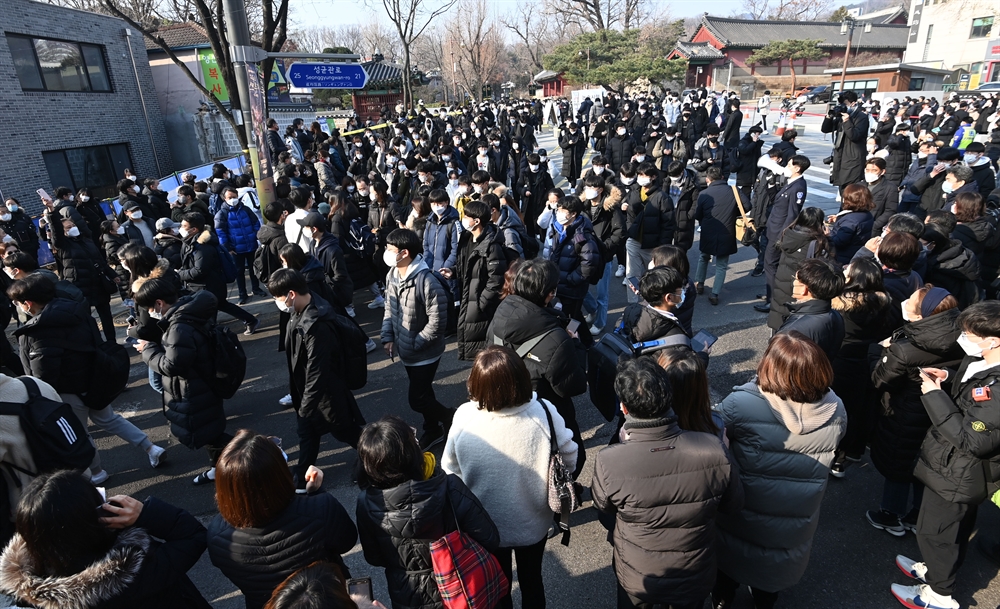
799	417
956	259
196	309
162	268
851	302
411	510
269	232
795	238
313	270
206	237
508	219
100	582
59	313
935	334
517	320
612	198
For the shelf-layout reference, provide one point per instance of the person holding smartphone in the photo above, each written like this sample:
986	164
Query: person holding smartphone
959	461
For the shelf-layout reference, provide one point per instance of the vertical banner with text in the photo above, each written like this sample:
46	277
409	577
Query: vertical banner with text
258	116
212	75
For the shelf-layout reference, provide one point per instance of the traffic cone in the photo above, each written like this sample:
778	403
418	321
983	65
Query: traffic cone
780	129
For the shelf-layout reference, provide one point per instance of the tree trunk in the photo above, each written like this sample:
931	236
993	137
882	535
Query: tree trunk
407	92
791	70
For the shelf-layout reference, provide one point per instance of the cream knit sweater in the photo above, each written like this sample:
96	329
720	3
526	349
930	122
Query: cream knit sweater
13	445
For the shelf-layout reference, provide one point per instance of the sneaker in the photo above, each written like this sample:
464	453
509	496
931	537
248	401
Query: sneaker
757	271
205	477
350	310
286	402
911	568
624	281
886	521
377	303
252	327
155	452
595	330
922	597
762	307
370	346
839	467
620	272
713	299
431	437
99	477
589	318
909	521
244	299
699	288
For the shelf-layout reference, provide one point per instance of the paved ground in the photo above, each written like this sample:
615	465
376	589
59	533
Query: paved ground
851	564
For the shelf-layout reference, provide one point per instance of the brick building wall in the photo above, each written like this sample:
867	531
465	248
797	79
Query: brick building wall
34	122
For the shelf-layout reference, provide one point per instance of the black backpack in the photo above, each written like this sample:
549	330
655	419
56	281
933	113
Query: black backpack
230	361
602	364
606	255
56	438
353	347
735	161
112	362
452	309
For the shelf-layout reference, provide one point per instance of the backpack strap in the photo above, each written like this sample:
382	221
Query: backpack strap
30	386
531	343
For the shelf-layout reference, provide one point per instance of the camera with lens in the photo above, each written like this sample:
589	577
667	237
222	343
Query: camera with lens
836	110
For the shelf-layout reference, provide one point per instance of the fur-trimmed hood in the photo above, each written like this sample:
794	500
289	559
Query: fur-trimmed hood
206	236
98	583
855	301
612	199
161	268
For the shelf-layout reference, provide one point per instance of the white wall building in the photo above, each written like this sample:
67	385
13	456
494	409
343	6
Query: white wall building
956	35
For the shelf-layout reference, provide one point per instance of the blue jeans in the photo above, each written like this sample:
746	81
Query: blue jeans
598	305
896	494
721	267
155	381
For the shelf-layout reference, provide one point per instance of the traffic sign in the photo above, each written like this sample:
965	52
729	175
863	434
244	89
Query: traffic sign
327	75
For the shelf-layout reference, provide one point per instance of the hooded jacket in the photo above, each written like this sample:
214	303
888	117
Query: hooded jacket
577	256
146	327
641	322
749	154
899	160
684	196
783	451
558	364
201	267
849	233
137	571
903	422
795	245
168	247
717	212
397	525
960	455
512	232
666	487
257	559
327	250
184	359
954	268
984	177
57	345
272	238
237	226
886	196
416	314
479	271
606	217
82	262
441	239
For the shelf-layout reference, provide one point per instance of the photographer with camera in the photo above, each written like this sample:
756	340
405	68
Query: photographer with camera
849	122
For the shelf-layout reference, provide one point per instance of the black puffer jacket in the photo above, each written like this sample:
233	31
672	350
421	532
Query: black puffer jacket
201	267
358	267
184	358
147	328
397	526
849	233
58	344
749	154
684	206
982	237
897	164
956	269
665	503
169	247
330	254
899	431
559	367
717	212
650	222
577	256
819	322
960	457
796	245
272	238
886	196
479	271
607	218
138	570
82	263
258	559
641	323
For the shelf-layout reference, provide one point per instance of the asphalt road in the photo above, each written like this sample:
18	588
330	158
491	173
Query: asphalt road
851	563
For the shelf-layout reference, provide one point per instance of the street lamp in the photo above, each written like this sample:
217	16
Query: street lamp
847	27
588	65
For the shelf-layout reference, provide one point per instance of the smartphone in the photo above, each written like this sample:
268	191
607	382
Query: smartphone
633	282
41	193
130	320
703	340
361	586
572	325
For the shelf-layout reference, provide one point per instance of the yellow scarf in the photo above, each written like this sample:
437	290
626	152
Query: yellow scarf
643	195
430	462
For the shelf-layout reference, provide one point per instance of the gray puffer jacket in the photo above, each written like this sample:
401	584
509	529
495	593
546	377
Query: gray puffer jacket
665	486
783	451
416	314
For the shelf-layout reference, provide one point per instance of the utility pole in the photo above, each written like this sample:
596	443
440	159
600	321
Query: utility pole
846	27
244	62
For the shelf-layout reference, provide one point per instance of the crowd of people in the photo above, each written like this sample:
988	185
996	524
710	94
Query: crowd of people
885	336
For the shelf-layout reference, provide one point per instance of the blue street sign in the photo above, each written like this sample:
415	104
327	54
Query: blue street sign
327	75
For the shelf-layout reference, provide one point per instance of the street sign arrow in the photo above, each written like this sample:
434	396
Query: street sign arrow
327	76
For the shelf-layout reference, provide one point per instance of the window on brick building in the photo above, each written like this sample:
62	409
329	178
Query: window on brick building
57	65
981	27
96	168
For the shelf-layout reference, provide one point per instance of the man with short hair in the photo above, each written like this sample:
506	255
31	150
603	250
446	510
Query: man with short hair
716	213
817	282
138	228
302	201
414	328
665	487
237	226
851	133
322	401
325	247
785	208
275	143
884	193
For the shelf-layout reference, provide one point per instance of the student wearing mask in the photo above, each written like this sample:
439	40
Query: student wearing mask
237	226
786	206
817	282
650	222
533	188
441	233
885	195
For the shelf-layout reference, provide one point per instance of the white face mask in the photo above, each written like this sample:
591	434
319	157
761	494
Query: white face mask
640	158
229	202
643	181
562	217
389	258
183	232
598	169
789	171
284	308
627	181
906	314
71	197
12	207
872	177
590	193
73	232
137	215
84	198
477	188
5	218
621	132
438	209
120	230
971	349
533	167
155	314
10	272
467	223
921	155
